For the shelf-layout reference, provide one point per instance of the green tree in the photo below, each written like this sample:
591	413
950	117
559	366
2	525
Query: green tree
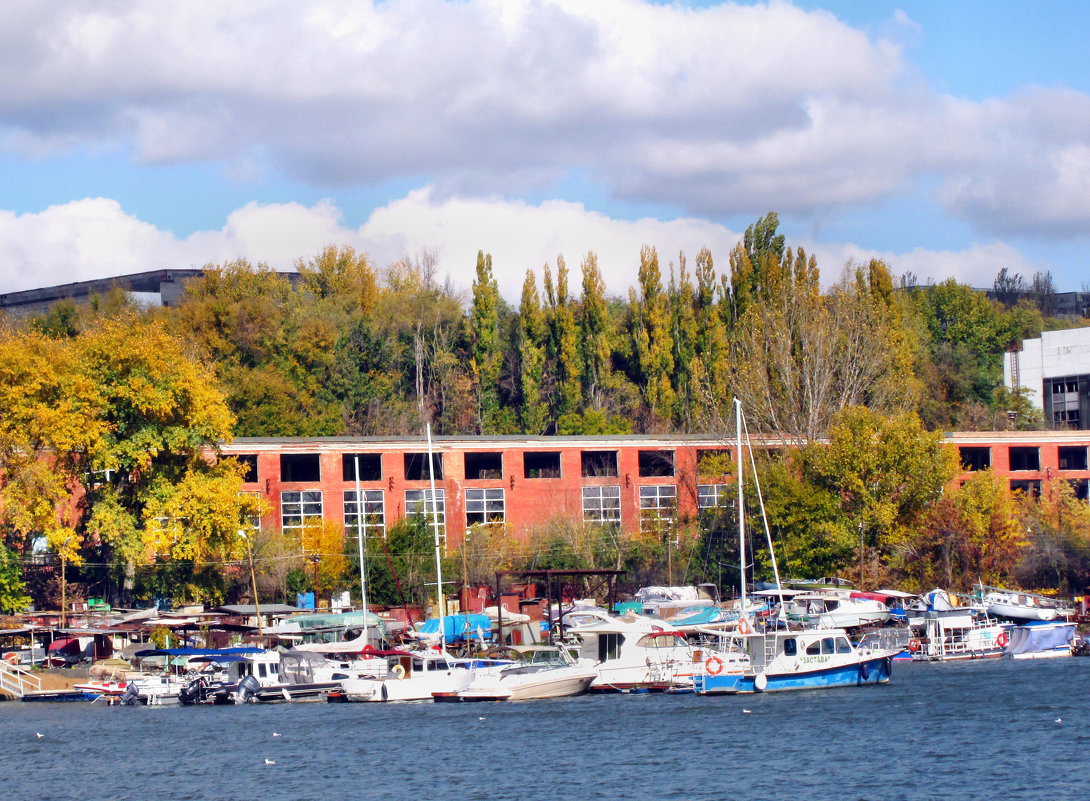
884	471
563	351
649	327
594	323
533	410
13	595
487	356
684	334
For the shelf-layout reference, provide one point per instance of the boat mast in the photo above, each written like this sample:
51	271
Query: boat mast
764	518
438	547
359	535
741	513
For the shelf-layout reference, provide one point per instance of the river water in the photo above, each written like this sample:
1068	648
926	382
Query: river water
996	729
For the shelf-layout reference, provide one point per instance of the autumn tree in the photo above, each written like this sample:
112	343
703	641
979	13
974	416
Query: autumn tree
969	535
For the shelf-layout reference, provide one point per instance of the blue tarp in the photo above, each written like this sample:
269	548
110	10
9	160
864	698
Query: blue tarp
454	627
197	652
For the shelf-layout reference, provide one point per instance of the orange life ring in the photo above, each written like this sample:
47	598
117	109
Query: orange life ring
714	665
368	651
1001	640
913	645
743	626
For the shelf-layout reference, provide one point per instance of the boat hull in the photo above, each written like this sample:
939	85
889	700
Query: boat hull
856	674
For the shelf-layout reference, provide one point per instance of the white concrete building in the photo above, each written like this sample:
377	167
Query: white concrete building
1055	370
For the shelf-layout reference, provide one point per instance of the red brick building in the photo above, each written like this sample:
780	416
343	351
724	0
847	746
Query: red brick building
524	482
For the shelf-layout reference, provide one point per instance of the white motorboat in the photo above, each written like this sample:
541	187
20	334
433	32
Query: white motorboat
634	652
959	633
539	671
1020	606
409	676
838	611
152	691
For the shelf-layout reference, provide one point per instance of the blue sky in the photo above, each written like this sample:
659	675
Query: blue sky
948	139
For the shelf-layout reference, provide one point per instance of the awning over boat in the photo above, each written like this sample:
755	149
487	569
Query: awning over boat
69	645
454	627
197	652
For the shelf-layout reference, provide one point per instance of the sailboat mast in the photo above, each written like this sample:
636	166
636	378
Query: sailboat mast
438	547
741	505
359	535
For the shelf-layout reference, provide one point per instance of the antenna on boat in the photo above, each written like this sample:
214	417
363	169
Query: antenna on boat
359	534
438	552
764	518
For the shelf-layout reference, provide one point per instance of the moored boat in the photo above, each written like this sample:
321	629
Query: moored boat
539	671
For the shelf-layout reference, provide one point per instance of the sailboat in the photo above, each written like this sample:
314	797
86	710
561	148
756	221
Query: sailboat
787	659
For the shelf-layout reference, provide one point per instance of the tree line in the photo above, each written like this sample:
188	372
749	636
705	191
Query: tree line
119	403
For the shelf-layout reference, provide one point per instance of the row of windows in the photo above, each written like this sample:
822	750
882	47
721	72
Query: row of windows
974	457
306	467
1080	486
658	506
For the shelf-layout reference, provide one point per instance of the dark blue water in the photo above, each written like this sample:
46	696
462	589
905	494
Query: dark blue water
969	730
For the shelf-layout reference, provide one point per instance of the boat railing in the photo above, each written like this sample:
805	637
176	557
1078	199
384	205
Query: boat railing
17	680
886	639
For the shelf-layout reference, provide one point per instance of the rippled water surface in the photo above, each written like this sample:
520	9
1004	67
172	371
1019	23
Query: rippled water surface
995	729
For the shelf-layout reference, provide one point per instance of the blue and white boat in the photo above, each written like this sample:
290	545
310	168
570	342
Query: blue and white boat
783	659
805	660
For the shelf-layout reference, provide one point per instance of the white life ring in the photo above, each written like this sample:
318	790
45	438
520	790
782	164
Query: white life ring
398	671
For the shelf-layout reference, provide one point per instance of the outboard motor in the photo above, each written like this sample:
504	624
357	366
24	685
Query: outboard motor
246	689
131	695
193	693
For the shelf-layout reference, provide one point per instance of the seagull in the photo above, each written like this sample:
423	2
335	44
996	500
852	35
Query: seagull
746	711
1058	720
39	735
276	734
270	761
481	718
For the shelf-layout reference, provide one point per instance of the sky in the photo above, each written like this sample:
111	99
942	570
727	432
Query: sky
949	139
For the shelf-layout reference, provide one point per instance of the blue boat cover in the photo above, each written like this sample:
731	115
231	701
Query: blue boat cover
198	651
454	627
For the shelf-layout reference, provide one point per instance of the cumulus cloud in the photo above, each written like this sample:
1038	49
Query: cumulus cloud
96	238
717	111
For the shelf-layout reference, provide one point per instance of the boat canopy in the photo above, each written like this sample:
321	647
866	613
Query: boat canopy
454	627
197	651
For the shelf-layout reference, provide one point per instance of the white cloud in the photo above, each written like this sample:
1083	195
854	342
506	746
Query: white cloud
95	238
722	110
976	265
521	236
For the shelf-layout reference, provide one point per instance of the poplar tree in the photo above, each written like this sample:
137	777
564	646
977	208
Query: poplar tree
684	335
533	410
485	332
710	369
563	345
594	331
651	344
